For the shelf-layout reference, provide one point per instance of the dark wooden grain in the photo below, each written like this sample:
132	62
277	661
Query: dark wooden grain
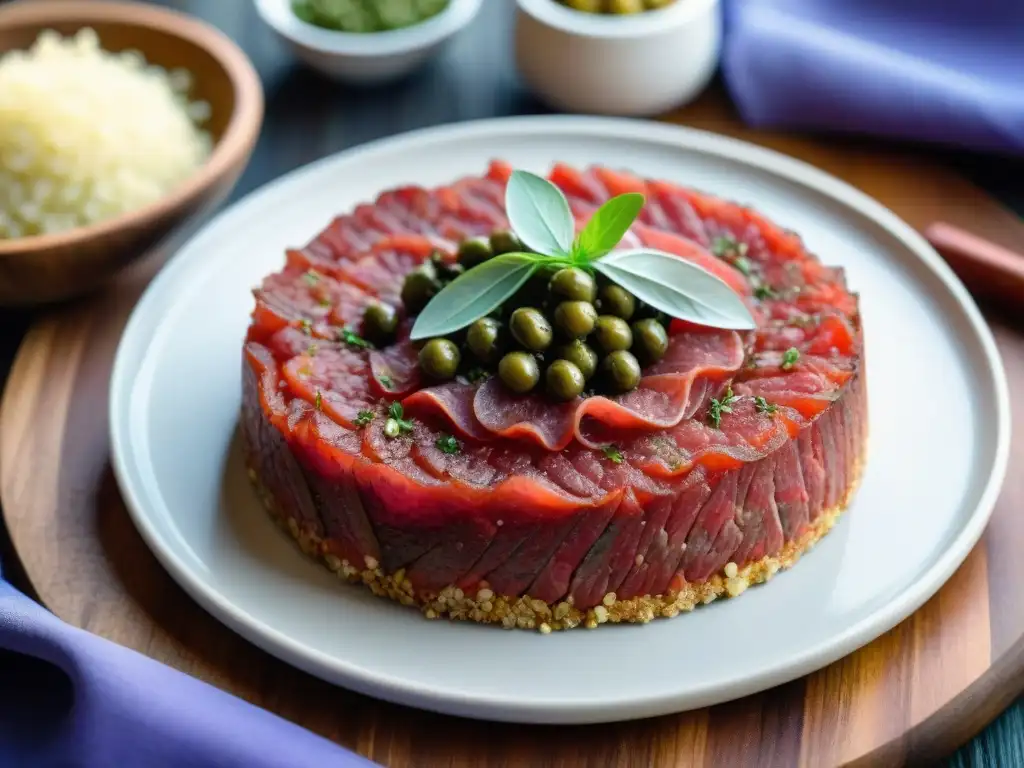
912	695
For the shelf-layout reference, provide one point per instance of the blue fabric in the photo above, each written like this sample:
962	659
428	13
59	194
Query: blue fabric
69	698
946	71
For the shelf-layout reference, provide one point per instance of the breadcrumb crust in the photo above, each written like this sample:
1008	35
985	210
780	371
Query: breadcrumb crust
530	613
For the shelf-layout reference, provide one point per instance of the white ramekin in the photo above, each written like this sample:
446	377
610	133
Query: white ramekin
634	65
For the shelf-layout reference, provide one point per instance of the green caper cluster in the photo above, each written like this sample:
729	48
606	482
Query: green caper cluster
563	329
616	6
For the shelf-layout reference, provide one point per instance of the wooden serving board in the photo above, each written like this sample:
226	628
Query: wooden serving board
912	695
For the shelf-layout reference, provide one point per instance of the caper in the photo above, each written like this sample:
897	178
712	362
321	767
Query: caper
573	283
616	300
575	319
505	242
564	380
531	329
391	428
621	371
649	340
439	358
612	333
625	6
580	355
519	372
474	251
379	323
484	339
420	286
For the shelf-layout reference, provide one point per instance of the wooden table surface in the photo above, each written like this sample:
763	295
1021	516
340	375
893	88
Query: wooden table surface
308	118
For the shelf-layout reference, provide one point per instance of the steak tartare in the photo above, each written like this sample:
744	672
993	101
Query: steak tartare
733	455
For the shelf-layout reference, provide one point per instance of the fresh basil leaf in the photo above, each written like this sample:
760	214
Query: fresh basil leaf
609	223
473	294
539	213
677	287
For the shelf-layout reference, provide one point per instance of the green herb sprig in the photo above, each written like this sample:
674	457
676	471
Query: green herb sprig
540	217
397	424
612	453
353	339
448	444
720	406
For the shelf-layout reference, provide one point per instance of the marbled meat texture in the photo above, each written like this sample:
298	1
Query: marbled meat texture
532	504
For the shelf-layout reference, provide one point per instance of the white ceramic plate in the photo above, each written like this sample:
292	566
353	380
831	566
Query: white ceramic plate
937	454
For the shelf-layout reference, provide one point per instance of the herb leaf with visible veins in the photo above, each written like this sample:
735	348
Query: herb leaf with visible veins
612	453
718	407
539	215
396	412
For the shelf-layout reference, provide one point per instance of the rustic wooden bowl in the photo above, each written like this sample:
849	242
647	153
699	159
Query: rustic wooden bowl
48	268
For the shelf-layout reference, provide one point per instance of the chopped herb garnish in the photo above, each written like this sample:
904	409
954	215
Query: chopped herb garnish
363	418
396	412
726	246
804	321
765	291
612	453
311	278
385	381
305	371
742	263
306	325
789	358
323	301
319	401
448	444
353	339
763	406
312	349
720	406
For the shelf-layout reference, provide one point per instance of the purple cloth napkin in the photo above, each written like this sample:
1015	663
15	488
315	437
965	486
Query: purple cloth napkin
947	71
69	698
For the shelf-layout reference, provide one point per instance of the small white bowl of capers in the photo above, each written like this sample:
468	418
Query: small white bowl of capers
617	57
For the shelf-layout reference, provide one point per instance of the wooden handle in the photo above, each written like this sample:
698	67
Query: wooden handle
986	269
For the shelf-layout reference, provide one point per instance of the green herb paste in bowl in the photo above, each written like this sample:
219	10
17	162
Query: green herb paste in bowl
363	16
